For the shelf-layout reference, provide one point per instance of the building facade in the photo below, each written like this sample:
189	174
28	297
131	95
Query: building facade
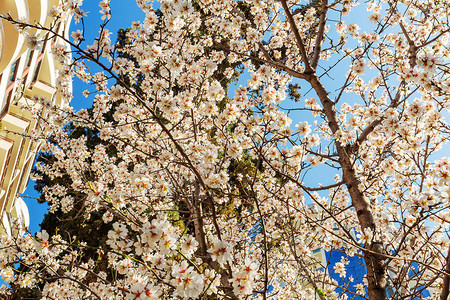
24	73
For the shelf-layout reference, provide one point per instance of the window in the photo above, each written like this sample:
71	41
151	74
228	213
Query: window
26	69
9	87
39	60
28	59
25	172
13	71
5	167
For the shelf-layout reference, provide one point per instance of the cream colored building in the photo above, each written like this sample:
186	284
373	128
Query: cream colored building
23	74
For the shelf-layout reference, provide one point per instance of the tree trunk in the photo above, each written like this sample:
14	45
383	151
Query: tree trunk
376	271
446	284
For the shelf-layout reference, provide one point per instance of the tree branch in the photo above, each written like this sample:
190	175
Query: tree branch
446	281
320	33
298	38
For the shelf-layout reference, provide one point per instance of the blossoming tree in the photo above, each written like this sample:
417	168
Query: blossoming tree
209	194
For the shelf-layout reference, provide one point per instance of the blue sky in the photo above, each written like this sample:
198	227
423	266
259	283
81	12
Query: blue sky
123	12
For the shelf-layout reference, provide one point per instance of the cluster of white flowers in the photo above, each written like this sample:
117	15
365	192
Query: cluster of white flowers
205	192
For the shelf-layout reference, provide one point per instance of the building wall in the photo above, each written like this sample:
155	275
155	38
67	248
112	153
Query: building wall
24	73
